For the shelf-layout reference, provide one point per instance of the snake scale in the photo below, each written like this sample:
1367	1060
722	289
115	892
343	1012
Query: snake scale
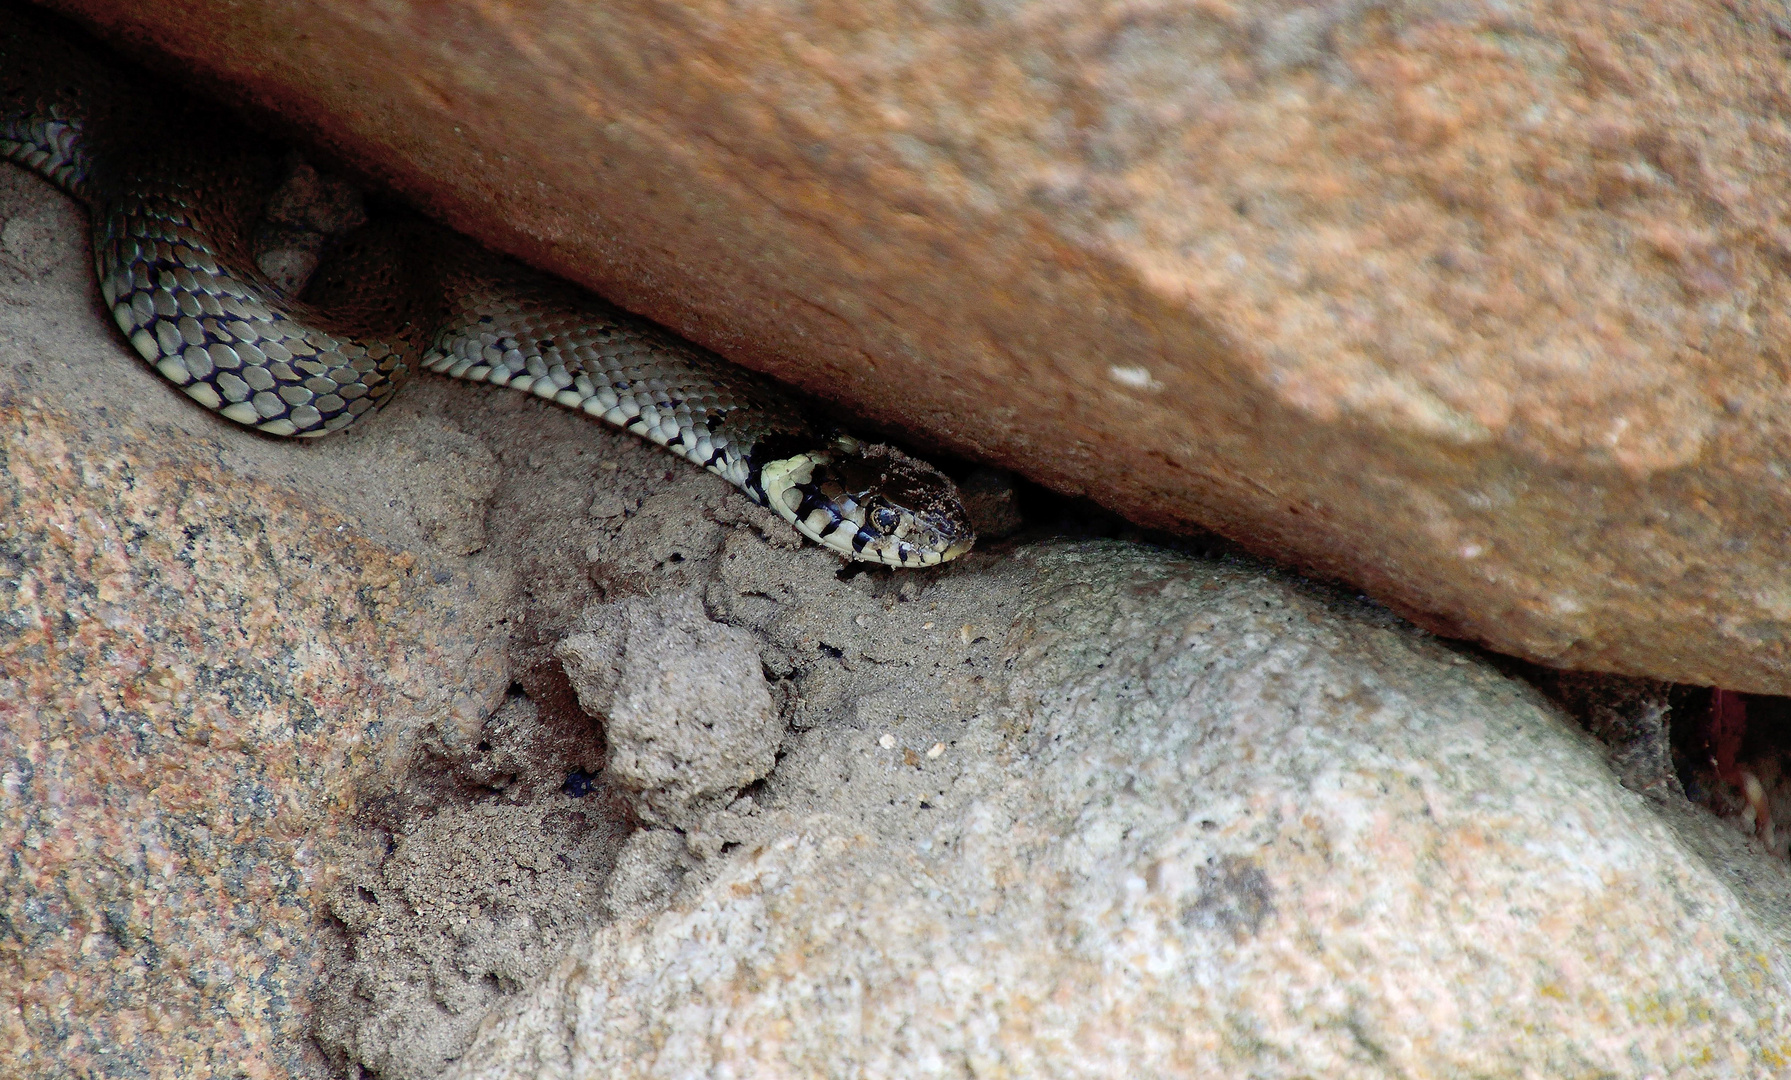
174	189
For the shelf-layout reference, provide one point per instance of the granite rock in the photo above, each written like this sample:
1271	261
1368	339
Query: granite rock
205	671
1163	816
248	690
1479	306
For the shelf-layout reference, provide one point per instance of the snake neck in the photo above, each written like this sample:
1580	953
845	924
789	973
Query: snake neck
59	100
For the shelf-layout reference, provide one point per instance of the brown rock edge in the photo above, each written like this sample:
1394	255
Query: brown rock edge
1480	307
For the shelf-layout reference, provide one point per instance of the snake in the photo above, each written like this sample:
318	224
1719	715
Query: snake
173	188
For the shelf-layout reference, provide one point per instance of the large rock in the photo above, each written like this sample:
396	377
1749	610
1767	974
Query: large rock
254	721
1161	817
1480	306
205	668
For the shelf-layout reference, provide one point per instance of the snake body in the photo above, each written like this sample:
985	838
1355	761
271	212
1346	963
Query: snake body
173	193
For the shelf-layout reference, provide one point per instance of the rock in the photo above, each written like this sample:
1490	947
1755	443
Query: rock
1211	822
687	713
650	868
1631	718
302	216
1478	306
291	784
211	668
993	503
270	800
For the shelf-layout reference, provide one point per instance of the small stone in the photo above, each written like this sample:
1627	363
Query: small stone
992	503
689	716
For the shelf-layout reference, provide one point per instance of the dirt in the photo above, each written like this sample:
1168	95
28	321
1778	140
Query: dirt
718	638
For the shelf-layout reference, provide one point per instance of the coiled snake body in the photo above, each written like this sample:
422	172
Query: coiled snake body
173	197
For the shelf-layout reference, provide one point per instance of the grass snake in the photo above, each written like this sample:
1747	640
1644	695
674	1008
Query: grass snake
174	190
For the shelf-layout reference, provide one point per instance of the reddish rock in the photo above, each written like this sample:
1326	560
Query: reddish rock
1480	306
205	671
198	679
1204	821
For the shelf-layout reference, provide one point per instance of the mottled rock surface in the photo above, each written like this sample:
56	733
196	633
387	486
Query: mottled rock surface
1167	817
204	669
275	797
489	872
1479	306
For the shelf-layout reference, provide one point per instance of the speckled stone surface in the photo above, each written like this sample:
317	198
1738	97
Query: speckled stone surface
197	677
1163	817
202	675
688	717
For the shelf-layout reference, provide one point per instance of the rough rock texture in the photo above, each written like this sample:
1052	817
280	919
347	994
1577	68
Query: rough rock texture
1164	817
486	879
1479	305
265	801
203	672
688	716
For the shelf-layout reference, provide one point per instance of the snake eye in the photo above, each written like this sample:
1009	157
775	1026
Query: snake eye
887	519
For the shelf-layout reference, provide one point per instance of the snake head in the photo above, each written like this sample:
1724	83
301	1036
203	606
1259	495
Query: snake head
870	502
